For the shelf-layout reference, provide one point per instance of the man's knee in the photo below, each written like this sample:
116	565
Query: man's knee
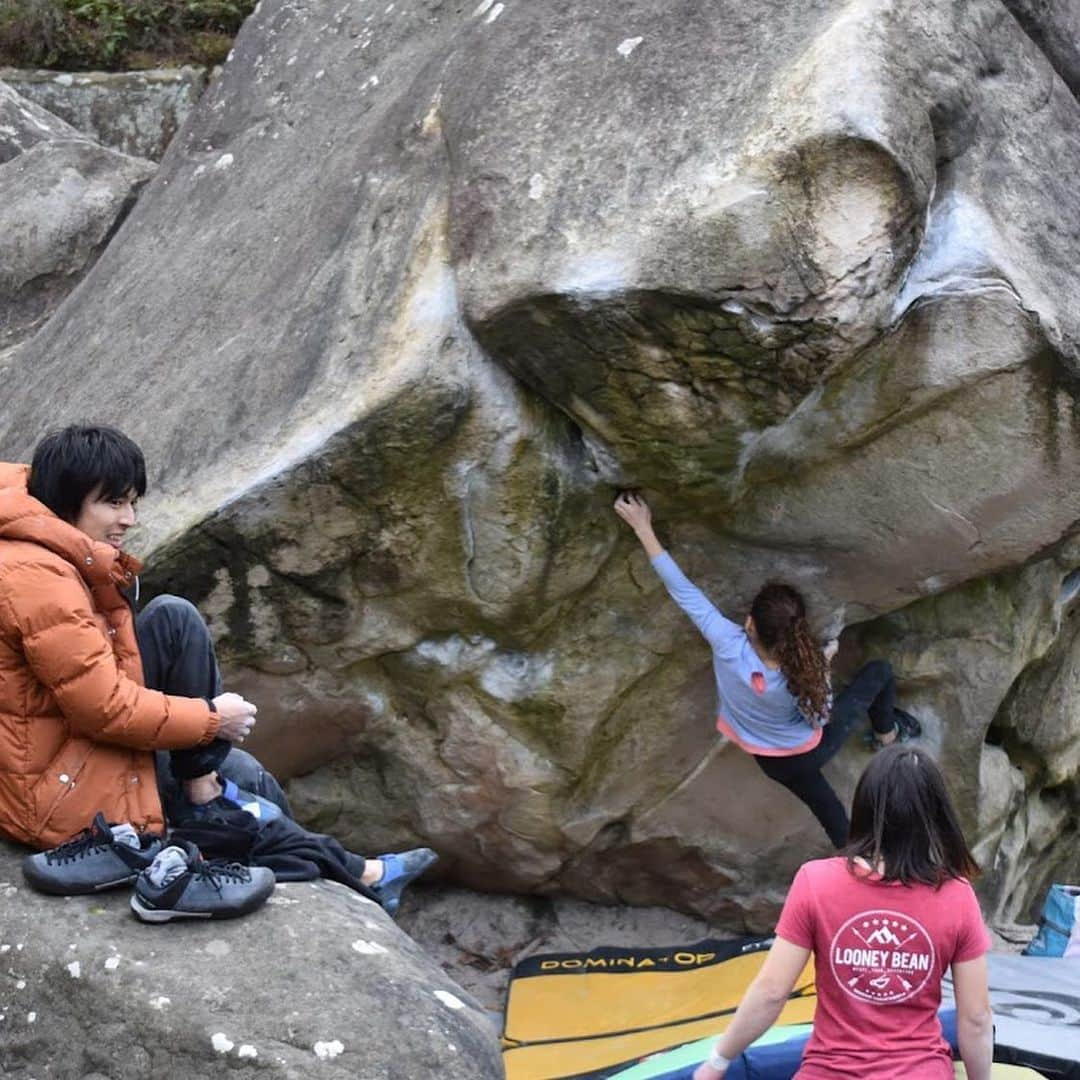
172	618
172	608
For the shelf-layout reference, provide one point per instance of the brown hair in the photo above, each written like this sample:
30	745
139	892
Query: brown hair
779	615
903	820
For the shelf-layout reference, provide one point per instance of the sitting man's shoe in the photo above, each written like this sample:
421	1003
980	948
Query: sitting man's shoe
400	870
180	884
235	798
102	857
907	728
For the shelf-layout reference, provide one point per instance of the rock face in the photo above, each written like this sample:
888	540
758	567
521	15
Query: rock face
318	982
62	195
477	938
416	291
135	112
1054	25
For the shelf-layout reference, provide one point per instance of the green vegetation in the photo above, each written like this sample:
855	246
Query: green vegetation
116	35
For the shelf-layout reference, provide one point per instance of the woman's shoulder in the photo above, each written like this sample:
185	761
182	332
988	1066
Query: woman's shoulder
834	868
955	887
832	864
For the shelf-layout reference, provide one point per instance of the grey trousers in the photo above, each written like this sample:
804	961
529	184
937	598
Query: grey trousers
178	658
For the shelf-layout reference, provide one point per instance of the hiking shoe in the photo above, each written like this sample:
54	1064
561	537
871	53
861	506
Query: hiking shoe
234	798
180	884
400	870
102	857
907	728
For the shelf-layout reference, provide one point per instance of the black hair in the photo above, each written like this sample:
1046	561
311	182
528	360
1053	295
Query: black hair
71	463
903	822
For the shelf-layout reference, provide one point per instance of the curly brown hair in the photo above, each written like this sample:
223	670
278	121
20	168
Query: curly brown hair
779	615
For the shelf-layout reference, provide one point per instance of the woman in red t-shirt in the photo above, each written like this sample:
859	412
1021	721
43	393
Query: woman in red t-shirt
884	920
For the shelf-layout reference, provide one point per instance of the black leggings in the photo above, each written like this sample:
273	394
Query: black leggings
873	691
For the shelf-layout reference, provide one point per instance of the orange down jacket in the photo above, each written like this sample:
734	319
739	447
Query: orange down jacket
77	727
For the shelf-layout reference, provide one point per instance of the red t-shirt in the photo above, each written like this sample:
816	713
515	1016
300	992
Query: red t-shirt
880	951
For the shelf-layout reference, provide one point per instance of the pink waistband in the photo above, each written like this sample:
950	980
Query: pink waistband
768	751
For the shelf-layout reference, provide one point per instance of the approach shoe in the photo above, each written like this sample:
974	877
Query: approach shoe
102	857
907	728
399	871
180	884
234	798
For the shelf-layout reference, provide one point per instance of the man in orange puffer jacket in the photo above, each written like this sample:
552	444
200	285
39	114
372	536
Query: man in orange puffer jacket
78	726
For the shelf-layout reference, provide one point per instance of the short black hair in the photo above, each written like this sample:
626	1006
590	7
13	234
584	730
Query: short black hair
902	818
71	463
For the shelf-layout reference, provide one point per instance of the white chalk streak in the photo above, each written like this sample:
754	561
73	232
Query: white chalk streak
368	948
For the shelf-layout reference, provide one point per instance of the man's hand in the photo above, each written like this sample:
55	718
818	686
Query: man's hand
634	510
236	717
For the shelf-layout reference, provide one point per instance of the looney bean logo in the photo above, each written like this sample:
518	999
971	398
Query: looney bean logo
882	957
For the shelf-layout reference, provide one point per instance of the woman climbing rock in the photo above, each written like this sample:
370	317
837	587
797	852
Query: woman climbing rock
772	682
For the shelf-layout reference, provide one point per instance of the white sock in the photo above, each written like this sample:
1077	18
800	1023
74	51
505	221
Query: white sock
125	834
169	865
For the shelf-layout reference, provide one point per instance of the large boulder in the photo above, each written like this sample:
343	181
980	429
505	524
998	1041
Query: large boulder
1054	25
318	982
135	112
61	196
417	289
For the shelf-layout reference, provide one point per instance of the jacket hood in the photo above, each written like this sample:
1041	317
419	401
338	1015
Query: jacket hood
14	476
22	517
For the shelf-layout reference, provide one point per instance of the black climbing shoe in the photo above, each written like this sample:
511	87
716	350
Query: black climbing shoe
102	857
907	728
